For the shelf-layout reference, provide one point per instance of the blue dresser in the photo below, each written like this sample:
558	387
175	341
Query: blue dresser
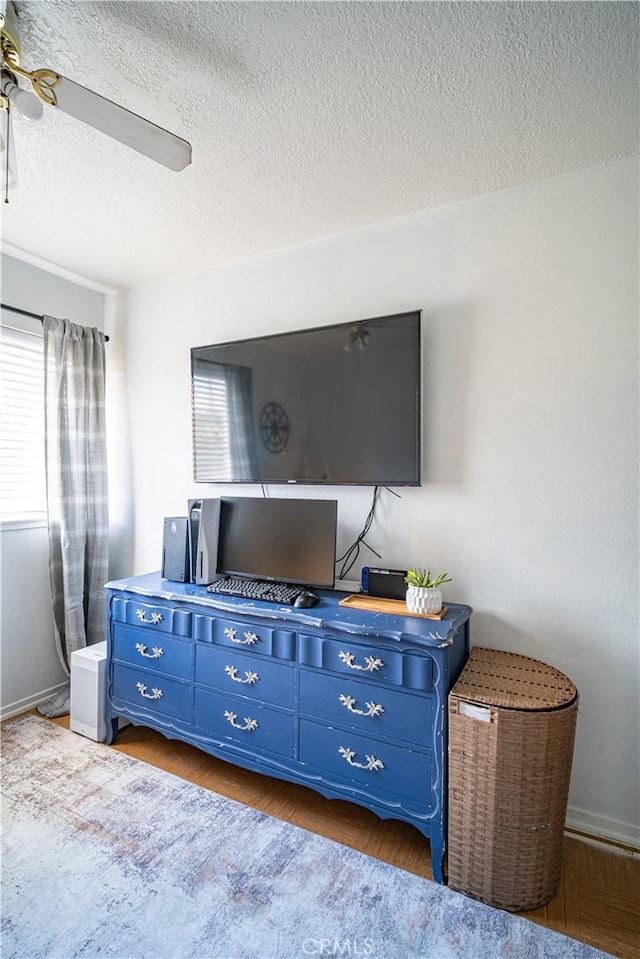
350	702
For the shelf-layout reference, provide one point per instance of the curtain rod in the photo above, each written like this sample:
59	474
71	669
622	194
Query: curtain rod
34	316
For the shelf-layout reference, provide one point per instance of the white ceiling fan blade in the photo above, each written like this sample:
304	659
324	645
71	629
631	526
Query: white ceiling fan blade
117	122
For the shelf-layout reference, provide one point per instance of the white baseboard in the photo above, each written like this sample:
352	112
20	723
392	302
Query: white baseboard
22	705
601	827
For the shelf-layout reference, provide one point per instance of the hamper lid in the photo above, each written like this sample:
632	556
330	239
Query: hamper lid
496	678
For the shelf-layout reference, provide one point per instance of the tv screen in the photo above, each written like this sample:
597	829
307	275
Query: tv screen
337	405
288	540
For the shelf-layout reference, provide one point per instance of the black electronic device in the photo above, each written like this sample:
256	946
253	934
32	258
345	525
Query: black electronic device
385	583
304	600
175	549
264	590
286	540
335	405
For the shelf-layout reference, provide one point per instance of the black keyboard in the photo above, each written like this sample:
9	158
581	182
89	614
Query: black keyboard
257	589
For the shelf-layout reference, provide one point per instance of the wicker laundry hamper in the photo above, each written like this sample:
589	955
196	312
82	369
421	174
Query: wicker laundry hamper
511	732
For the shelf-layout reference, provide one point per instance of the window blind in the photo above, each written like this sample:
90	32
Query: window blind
22	470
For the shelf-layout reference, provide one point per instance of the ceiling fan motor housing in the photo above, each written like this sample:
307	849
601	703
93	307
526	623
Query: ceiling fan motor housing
9	28
98	112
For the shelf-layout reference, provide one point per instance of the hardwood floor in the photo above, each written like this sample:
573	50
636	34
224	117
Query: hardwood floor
598	901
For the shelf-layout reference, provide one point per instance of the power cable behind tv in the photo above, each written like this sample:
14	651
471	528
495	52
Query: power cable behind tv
351	555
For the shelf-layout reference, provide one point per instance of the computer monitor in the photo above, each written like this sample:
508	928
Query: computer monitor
286	540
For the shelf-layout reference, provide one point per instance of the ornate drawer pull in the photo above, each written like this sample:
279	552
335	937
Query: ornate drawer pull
373	709
156	651
155	692
249	677
249	724
373	764
372	663
249	637
155	617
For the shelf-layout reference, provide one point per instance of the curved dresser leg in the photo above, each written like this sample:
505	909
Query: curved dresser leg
112	730
437	860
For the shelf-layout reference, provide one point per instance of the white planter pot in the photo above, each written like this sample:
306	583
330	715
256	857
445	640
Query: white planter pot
423	599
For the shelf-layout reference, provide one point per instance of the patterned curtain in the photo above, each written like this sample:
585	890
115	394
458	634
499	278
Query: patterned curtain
77	507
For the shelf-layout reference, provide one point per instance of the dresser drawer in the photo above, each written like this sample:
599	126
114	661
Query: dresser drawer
152	616
377	767
256	677
155	693
374	710
241	634
162	653
253	725
378	663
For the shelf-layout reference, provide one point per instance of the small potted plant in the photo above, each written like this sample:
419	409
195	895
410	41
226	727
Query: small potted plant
423	590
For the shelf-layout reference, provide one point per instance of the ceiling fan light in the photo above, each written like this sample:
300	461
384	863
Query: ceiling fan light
25	102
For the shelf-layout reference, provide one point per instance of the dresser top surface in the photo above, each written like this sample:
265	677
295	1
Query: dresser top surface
326	615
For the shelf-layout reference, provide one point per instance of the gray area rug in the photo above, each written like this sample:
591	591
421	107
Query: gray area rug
104	855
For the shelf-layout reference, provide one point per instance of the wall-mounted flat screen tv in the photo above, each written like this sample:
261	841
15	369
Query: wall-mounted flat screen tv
334	405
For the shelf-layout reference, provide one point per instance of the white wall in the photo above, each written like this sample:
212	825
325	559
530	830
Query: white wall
30	667
44	288
530	489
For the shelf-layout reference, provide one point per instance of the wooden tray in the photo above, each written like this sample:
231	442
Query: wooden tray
397	607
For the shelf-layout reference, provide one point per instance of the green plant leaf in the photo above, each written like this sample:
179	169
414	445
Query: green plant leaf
422	578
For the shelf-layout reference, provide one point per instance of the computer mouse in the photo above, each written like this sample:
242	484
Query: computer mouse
304	600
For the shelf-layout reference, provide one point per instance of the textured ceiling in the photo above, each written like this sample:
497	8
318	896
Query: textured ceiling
307	119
